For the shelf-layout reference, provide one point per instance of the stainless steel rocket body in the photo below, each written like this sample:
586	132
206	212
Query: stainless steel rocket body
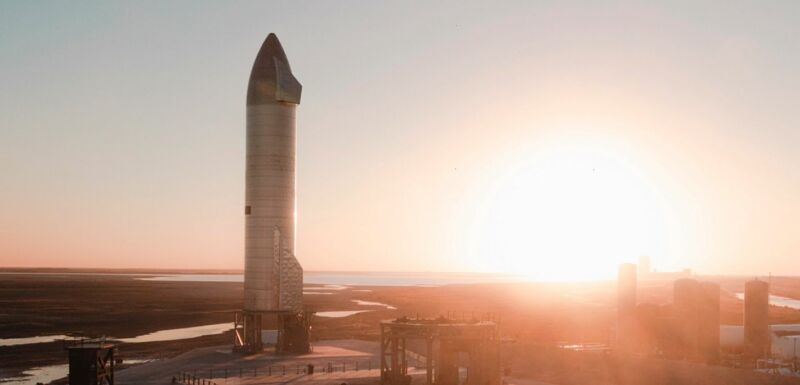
269	198
273	95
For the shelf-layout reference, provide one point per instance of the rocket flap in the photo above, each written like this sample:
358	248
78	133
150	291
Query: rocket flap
288	88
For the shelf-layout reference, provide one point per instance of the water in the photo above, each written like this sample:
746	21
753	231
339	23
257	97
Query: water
354	279
327	287
135	361
161	335
784	301
31	340
776	300
585	347
196	278
370	303
44	374
340	314
401	279
180	334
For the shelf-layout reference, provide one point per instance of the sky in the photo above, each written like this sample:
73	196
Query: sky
549	139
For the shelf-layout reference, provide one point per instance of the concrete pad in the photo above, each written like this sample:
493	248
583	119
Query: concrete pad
219	362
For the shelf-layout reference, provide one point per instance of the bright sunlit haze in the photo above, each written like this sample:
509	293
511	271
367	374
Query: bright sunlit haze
543	140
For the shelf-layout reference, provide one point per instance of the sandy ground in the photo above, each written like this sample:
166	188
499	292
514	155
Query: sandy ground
348	359
562	367
532	314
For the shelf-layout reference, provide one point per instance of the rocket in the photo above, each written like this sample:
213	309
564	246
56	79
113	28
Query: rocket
273	278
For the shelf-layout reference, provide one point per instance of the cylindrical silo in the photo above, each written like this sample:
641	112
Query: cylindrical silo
626	306
708	319
685	310
756	319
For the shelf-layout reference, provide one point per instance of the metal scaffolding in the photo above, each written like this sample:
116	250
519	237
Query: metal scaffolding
444	341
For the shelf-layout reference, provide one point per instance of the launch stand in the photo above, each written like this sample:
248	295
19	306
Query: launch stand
293	331
247	332
445	341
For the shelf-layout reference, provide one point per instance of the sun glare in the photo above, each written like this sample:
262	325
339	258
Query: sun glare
570	211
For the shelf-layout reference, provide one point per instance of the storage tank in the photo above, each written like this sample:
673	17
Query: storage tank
756	319
708	322
626	305
685	313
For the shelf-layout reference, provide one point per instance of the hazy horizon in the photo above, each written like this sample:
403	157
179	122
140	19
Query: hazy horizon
553	140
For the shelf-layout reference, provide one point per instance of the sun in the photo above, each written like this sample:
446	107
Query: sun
568	211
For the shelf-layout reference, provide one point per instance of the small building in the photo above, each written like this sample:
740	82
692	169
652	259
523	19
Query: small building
91	362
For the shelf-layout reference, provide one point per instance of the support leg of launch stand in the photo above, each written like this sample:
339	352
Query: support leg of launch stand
293	333
252	332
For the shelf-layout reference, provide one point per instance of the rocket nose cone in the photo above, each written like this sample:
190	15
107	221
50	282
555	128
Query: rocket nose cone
271	77
271	48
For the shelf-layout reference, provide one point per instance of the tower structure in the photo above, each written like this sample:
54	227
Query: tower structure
756	319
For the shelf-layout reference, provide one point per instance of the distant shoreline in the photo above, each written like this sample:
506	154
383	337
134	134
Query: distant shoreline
228	271
116	270
309	277
157	271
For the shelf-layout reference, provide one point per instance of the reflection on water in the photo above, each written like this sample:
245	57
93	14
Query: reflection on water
44	374
136	361
326	287
776	300
370	303
196	278
354	279
161	335
340	314
180	334
585	347
31	340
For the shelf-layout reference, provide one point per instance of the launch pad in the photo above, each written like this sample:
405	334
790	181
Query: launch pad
294	331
